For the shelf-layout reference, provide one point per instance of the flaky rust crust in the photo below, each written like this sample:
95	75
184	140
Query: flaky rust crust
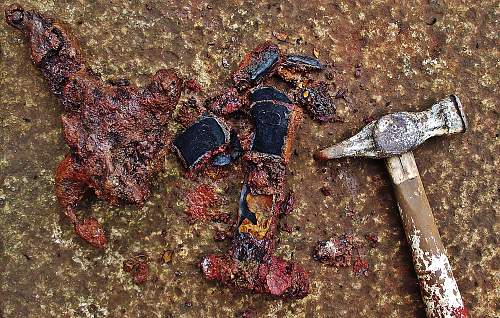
273	276
250	263
294	122
116	134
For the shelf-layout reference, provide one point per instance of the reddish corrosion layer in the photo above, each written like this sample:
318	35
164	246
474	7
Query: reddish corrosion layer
316	99
138	267
116	134
273	276
199	201
344	251
360	267
91	231
225	103
265	174
191	106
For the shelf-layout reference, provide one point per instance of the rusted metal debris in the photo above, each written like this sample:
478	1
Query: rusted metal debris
275	119
116	132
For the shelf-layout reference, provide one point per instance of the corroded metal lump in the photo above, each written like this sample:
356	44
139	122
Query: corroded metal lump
116	134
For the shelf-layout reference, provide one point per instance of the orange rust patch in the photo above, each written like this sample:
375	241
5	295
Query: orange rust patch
262	206
295	120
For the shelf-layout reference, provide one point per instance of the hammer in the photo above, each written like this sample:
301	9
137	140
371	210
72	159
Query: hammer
393	137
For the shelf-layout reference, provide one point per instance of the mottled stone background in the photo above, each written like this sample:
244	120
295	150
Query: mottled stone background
412	54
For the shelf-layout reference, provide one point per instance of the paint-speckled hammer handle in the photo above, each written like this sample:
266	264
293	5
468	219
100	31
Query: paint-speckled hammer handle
437	285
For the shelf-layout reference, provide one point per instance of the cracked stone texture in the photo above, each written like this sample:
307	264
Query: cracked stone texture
412	54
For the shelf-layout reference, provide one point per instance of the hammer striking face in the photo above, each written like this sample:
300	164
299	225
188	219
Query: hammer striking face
398	133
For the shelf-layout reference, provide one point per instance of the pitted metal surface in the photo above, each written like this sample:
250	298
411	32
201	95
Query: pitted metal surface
396	133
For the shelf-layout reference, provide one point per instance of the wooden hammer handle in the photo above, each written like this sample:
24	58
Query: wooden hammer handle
437	285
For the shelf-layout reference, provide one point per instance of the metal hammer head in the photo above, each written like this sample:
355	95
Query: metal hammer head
397	133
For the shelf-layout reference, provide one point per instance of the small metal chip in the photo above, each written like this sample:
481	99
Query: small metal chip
263	63
301	62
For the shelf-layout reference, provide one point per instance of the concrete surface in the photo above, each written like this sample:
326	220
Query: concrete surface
412	54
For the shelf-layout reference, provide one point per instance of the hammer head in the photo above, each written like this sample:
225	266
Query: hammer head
397	133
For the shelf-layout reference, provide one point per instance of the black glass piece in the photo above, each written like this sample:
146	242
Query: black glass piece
268	93
200	138
303	62
271	127
263	64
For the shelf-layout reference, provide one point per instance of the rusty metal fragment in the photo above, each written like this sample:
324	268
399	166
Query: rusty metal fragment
250	262
256	66
225	103
302	63
116	133
316	99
